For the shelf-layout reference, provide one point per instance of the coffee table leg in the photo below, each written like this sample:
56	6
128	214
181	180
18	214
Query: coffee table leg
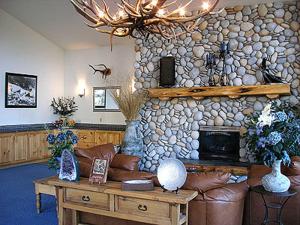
38	202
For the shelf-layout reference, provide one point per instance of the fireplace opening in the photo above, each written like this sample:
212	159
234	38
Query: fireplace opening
219	143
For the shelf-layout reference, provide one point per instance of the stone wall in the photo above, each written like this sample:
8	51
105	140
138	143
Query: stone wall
171	128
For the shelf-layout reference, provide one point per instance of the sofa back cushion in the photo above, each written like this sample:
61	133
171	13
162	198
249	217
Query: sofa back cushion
125	162
105	151
202	182
294	168
85	156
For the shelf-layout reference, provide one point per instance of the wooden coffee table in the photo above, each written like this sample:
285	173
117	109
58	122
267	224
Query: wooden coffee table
154	207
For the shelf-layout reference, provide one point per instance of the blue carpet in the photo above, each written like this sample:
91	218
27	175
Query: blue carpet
17	198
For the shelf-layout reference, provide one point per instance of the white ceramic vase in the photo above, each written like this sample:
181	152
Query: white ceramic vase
276	181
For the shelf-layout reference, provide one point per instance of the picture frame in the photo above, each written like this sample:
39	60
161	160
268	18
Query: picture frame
20	90
99	170
98	97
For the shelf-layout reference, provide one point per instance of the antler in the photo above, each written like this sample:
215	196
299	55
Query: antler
144	17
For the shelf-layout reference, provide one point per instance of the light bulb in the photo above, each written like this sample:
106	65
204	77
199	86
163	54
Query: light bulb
181	12
154	2
121	13
205	5
161	12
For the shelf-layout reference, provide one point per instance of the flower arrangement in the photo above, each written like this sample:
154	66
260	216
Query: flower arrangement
274	134
64	106
65	139
64	123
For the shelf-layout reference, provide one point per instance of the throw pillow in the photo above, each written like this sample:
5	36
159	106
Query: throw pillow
125	162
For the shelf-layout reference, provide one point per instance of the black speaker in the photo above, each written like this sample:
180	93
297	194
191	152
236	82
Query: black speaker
167	71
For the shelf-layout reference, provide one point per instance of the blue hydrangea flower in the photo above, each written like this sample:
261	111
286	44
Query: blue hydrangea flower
74	139
251	131
69	133
261	143
281	116
274	138
291	114
51	139
259	130
61	137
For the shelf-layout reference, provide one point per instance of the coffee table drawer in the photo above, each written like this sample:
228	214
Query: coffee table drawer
142	207
94	199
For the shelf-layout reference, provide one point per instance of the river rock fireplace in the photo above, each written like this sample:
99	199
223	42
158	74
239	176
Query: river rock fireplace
219	143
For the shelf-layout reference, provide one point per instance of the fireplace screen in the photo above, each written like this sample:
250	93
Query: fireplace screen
223	144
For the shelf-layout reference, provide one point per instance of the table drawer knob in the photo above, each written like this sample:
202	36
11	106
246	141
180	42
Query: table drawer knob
142	207
85	198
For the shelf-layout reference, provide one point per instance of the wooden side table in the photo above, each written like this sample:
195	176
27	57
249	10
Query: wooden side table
285	196
43	187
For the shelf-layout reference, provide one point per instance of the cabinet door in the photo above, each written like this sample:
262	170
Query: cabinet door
21	146
104	137
38	147
100	137
86	138
7	148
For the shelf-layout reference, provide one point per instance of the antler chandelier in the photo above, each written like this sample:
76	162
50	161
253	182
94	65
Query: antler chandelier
144	17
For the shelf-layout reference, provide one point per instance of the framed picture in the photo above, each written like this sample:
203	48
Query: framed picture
103	99
99	171
20	91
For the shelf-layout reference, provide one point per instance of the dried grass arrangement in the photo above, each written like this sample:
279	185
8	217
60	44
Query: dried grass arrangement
130	102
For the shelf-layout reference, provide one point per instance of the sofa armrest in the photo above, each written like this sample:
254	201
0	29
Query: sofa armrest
226	193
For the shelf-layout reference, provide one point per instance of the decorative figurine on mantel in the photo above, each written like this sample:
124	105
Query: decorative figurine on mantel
268	75
215	75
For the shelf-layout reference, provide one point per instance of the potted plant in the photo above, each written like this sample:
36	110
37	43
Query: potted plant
64	140
274	136
64	107
130	103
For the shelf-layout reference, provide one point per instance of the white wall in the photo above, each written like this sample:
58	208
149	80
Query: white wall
22	50
79	74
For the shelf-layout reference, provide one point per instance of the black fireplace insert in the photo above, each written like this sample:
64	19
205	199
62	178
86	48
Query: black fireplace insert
219	143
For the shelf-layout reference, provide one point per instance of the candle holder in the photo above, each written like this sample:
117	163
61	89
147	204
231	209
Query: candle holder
211	65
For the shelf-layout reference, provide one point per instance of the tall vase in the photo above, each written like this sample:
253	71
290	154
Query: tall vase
133	141
276	181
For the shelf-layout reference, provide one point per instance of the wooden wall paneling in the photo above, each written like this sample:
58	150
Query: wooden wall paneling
21	146
86	138
7	153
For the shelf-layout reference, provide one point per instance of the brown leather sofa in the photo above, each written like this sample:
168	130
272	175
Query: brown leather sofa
254	209
217	203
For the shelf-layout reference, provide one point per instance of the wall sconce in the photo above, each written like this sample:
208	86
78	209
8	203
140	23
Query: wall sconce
81	92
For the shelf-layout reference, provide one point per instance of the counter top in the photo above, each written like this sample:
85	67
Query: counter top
40	127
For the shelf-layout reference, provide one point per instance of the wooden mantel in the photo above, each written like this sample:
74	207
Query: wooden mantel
271	91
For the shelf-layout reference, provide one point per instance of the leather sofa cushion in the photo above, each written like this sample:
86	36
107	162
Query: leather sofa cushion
115	174
202	182
294	168
125	162
105	151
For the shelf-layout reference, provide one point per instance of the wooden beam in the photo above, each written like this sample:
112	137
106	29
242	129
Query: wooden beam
271	91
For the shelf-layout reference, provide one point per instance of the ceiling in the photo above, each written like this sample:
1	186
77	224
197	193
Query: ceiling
58	21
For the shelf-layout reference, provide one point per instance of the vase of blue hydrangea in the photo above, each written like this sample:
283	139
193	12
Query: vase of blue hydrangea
65	139
273	136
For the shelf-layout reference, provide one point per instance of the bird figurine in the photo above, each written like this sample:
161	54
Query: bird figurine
267	74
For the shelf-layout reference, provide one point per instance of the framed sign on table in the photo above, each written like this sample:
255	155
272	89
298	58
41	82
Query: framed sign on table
99	171
20	91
